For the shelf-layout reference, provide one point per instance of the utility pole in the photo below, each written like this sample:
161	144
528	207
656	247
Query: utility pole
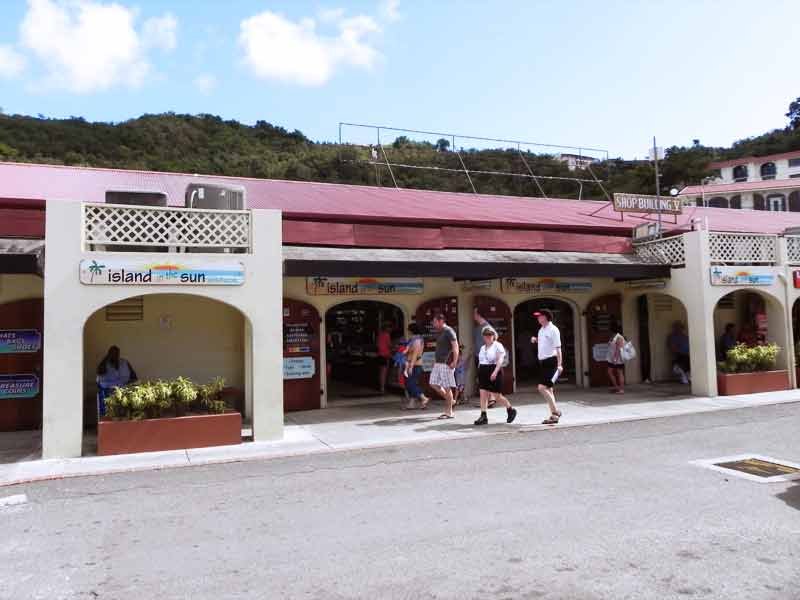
658	186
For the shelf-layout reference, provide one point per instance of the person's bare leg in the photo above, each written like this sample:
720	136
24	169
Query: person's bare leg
484	400
502	399
621	376
448	402
384	375
613	378
550	396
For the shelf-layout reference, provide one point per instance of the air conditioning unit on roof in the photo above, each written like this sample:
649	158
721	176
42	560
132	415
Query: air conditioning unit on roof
215	196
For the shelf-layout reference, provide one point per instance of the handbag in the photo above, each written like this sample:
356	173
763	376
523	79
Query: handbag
628	352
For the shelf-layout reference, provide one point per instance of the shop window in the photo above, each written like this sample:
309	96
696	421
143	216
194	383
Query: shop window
736	202
758	202
776	203
794	162
768	170
130	309
794	201
718	202
740	173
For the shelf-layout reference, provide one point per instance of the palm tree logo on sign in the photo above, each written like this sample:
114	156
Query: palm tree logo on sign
95	269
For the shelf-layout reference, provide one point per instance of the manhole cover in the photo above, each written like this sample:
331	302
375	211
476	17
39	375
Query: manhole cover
755	467
758	467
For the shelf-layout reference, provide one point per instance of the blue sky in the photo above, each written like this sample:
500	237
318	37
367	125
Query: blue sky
602	74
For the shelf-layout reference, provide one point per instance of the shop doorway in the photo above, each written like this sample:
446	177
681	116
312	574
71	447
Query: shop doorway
499	316
353	366
645	358
526	326
301	364
601	314
749	315
21	364
448	306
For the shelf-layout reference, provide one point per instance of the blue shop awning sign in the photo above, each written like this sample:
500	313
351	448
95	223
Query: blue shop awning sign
18	341
25	385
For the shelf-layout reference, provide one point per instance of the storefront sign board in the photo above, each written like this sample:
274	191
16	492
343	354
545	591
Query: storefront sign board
739	276
19	386
481	285
303	367
18	341
178	272
362	286
520	285
642	203
642	284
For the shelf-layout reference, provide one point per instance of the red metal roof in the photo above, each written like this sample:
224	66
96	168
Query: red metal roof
339	203
745	186
753	159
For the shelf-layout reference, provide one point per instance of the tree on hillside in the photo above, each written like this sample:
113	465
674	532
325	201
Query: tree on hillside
794	114
442	145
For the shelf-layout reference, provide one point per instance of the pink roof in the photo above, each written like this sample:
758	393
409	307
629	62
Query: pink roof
746	186
365	204
753	159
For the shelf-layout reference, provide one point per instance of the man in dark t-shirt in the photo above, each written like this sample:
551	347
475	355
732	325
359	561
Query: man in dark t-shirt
444	363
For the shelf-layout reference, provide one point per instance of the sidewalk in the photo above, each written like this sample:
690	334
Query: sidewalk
386	424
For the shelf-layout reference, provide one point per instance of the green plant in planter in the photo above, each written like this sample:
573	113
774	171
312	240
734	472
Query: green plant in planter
211	395
184	392
745	359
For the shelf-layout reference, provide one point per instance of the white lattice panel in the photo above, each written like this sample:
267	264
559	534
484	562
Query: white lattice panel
667	250
793	249
743	248
114	224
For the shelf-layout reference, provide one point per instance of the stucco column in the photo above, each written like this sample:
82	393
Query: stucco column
62	371
786	279
700	304
266	316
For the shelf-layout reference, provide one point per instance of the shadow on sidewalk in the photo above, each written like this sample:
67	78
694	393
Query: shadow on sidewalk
791	496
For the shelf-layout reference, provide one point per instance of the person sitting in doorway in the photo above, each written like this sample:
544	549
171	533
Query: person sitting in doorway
727	341
678	343
112	372
747	336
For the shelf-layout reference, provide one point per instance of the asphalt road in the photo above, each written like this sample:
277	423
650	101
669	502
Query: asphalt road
613	511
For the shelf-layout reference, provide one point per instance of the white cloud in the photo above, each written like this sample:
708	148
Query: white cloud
205	82
12	62
161	32
87	46
390	10
296	52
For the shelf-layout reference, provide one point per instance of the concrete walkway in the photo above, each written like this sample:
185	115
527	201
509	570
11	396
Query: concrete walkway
381	423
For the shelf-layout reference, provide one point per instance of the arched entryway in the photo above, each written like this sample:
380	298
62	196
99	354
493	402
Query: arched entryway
659	316
500	317
751	318
164	336
526	326
601	314
447	306
353	365
21	364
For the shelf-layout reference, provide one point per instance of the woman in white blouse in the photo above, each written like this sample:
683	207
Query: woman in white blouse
490	375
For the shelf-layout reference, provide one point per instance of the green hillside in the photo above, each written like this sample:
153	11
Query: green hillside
211	145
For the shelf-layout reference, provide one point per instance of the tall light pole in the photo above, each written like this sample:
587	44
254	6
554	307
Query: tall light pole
658	186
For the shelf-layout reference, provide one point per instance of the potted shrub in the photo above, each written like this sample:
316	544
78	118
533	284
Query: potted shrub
747	370
159	415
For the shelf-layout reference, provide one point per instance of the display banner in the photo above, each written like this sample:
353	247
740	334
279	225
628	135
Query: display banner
18	341
299	367
739	276
518	285
19	386
362	286
183	271
647	204
478	285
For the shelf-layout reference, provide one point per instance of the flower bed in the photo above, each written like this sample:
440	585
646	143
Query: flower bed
748	370
167	415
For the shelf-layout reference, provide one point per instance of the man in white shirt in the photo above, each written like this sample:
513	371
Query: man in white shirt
551	362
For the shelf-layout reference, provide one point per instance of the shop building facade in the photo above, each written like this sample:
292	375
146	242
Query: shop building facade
284	297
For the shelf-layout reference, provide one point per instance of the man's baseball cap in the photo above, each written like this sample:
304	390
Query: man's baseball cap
544	313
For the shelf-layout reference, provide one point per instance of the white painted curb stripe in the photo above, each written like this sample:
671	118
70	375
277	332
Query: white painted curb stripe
13	500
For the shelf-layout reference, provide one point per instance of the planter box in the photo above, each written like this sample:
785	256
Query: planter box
732	384
171	433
